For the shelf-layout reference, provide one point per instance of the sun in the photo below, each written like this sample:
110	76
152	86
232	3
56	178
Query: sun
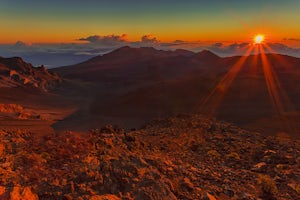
258	39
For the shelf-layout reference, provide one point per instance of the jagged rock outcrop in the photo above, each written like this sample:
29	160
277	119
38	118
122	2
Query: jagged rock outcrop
14	72
15	111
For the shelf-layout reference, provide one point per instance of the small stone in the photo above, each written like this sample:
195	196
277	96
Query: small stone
68	197
187	184
2	190
105	197
26	193
229	192
259	167
208	196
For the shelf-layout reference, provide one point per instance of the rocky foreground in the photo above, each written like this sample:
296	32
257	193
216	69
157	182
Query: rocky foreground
185	157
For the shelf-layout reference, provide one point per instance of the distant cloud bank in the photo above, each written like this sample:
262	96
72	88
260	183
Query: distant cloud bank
292	39
106	40
54	55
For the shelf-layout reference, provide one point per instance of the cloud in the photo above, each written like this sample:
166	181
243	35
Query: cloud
292	39
106	40
180	44
217	45
194	46
71	53
229	49
242	48
284	49
149	39
20	44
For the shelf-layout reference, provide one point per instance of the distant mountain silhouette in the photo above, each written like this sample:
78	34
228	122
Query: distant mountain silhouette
206	55
142	61
14	72
143	83
127	53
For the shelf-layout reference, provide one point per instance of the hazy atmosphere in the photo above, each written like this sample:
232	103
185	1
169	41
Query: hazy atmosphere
149	100
57	33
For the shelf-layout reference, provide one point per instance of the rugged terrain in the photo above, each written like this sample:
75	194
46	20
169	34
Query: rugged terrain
27	100
14	72
184	157
129	86
47	152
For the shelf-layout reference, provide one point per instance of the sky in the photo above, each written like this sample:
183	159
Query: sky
213	20
110	23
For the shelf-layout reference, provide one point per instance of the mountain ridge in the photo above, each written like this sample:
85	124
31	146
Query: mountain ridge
159	86
126	54
149	50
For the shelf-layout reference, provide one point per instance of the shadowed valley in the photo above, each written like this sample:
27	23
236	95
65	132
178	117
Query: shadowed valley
132	85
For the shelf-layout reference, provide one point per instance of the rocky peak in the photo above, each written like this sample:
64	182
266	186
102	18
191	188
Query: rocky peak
206	55
15	72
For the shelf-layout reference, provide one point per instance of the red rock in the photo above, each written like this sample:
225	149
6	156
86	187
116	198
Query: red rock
19	193
105	197
208	196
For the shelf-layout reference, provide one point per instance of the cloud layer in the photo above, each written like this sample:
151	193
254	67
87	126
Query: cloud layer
106	40
292	39
53	55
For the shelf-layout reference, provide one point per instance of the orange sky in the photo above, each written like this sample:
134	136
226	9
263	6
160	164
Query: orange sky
61	21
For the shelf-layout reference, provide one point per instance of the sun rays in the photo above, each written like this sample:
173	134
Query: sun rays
279	100
210	104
